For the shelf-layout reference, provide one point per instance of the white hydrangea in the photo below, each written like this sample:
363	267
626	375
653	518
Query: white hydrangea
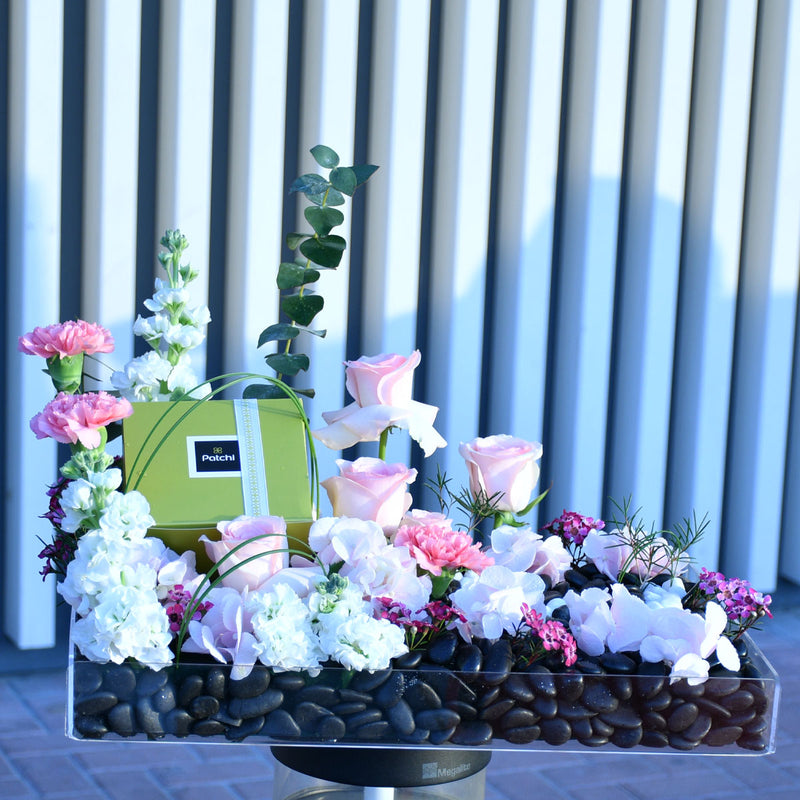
492	601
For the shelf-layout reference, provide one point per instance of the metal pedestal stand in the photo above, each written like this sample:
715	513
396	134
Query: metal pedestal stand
334	773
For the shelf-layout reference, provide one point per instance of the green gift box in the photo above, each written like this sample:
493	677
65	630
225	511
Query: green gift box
201	462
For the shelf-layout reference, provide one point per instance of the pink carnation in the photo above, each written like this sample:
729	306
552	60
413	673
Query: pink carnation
66	339
72	418
437	547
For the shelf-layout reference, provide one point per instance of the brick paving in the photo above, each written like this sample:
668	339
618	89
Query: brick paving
38	761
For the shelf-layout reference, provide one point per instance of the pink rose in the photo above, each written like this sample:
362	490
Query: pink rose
72	418
383	380
436	547
370	489
268	535
66	339
382	387
505	466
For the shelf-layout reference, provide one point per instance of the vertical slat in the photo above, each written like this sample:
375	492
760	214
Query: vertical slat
255	187
394	194
786	252
327	117
185	105
111	172
460	222
709	268
34	209
765	312
644	313
534	58
587	255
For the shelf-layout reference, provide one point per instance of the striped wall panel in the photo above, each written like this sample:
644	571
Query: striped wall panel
587	217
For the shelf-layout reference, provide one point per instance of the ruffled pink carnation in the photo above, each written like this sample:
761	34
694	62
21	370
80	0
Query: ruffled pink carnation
72	418
437	547
66	339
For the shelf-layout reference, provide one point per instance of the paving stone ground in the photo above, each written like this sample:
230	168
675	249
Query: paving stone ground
37	760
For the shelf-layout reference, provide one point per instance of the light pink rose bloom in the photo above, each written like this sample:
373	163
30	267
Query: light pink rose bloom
72	418
66	339
438	547
382	387
370	489
502	465
383	380
243	529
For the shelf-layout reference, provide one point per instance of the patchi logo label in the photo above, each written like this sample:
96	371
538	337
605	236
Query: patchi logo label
213	456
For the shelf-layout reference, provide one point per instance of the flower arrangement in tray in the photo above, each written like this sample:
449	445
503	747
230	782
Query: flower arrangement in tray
454	623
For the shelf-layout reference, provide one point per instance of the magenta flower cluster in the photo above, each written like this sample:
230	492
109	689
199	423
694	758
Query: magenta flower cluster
180	600
552	634
573	528
737	597
432	618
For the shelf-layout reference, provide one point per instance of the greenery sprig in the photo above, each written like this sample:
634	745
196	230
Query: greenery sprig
315	251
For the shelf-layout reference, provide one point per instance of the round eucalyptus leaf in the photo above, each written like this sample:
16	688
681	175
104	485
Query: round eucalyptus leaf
325	156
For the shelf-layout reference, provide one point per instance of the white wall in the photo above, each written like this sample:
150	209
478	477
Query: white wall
595	246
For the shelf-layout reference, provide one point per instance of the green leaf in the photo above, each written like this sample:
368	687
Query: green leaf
326	251
533	503
293	239
292	275
344	179
305	392
363	172
302	308
325	157
310	182
334	198
263	391
287	363
322	220
279	332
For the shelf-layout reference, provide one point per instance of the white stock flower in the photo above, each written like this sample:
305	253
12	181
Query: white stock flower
185	336
77	502
128	622
492	601
129	512
141	378
361	642
184	380
152	329
166	297
197	316
285	640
